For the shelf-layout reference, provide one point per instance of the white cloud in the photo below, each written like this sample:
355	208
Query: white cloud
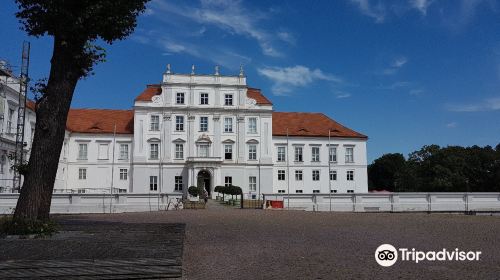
490	104
399	62
452	125
287	37
421	5
416	92
229	16
377	12
287	78
342	95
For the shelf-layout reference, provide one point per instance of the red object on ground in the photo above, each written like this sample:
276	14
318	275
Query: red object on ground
276	203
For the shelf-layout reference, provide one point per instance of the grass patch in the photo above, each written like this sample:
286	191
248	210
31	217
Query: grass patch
27	227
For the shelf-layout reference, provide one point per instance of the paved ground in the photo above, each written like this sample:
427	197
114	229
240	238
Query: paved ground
95	250
224	243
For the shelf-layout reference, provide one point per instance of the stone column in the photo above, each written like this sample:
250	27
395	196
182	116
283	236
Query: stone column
217	136
190	135
241	138
167	138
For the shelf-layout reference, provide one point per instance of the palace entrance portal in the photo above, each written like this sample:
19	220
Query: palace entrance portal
203	180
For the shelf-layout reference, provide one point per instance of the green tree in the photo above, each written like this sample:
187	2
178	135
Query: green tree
383	171
76	27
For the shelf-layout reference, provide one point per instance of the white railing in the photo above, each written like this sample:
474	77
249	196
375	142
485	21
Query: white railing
99	203
391	202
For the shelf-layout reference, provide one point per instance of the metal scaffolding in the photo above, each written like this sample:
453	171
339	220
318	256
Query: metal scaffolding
21	114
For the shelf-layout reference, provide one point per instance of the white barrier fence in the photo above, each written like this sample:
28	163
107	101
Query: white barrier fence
100	203
391	202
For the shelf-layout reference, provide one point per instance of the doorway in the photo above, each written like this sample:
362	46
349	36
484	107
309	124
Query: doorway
204	181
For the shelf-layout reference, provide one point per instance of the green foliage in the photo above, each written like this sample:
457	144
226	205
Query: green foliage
193	191
8	226
22	167
437	169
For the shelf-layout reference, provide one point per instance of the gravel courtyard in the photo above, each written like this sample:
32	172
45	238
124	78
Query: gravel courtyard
225	243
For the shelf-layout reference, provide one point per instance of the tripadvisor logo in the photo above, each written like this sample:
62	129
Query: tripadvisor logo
387	255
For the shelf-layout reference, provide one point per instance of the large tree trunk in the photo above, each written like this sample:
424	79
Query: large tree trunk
51	114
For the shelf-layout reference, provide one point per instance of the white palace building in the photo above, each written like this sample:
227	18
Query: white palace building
208	130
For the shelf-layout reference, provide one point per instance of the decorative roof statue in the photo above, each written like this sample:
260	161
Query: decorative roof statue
192	69
168	69
242	73
217	70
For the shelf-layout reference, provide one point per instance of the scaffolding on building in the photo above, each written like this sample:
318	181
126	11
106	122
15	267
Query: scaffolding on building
21	115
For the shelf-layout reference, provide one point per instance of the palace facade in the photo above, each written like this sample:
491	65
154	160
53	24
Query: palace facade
208	130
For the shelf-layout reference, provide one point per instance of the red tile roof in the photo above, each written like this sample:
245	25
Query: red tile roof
310	125
256	94
30	105
100	121
149	92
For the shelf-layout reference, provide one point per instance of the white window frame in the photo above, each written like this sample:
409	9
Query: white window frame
315	151
179	123
228	181
350	175
333	175
123	151
349	154
83	149
153	183
204	150
252	183
299	175
299	154
332	154
103	154
179	151
180	98
178	184
154	151
252	125
228	99
281	154
203	124
252	152
281	175
228	125
203	98
316	175
228	150
123	174
154	123
82	173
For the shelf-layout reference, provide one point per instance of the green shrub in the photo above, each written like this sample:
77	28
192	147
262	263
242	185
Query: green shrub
25	227
193	191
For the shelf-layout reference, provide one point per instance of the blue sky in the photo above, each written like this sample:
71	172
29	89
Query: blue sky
405	73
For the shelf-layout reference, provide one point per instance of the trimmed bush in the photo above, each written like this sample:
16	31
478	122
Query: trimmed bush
193	191
26	227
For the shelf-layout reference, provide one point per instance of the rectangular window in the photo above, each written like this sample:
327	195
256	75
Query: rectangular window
252	125
298	154
180	98
204	98
333	154
10	121
281	175
123	174
228	124
103	151
179	123
281	154
155	123
179	151
350	175
178	183
153	151
123	151
350	191
82	174
82	151
349	154
315	175
315	191
333	175
281	191
228	181
298	191
298	175
333	191
228	152
203	123
315	154
228	100
153	183
203	150
252	183
252	152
